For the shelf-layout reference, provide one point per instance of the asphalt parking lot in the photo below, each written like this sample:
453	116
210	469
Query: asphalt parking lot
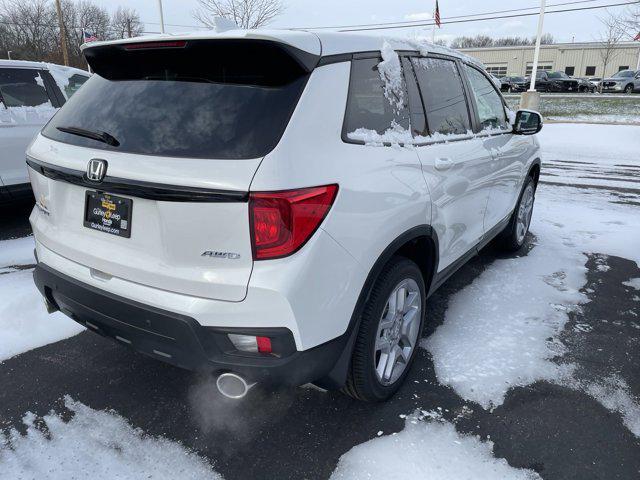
558	430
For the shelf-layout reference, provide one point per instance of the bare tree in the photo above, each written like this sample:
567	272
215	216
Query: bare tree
612	34
83	15
630	21
545	39
125	23
478	41
30	28
245	13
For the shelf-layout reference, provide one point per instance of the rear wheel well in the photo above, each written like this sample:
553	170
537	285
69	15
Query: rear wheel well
422	251
534	172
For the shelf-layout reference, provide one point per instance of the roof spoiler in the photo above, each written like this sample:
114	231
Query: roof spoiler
104	58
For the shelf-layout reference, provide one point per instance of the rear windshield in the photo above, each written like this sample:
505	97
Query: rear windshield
196	101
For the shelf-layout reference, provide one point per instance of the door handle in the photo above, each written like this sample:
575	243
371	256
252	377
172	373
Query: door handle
443	163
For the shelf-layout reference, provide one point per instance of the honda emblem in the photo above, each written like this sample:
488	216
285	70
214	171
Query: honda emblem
96	170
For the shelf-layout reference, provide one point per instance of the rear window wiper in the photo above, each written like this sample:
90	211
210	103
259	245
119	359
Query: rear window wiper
103	137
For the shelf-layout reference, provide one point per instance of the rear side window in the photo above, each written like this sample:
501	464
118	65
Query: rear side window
367	106
488	102
217	100
443	95
23	88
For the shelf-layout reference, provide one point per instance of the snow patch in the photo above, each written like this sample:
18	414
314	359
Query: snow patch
613	394
390	72
24	321
428	447
633	283
17	252
503	330
21	115
62	76
94	444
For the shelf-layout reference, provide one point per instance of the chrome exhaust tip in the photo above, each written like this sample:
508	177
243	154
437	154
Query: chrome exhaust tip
233	386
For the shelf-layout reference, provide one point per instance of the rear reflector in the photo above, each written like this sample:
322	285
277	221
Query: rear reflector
249	343
282	222
152	45
264	344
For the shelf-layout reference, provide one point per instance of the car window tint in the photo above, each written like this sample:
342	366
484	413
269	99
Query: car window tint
443	96
75	82
488	102
367	106
23	88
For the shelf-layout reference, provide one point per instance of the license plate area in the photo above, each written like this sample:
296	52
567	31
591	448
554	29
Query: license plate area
108	213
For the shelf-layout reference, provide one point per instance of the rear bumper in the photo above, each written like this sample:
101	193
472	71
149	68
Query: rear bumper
182	341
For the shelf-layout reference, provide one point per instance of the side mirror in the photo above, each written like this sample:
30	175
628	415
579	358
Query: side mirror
527	122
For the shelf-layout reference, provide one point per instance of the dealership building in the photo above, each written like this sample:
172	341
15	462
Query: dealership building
575	59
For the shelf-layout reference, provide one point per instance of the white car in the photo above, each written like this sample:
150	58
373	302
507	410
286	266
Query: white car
280	212
30	93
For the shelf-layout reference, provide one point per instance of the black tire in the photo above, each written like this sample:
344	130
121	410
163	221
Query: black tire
510	239
362	381
628	89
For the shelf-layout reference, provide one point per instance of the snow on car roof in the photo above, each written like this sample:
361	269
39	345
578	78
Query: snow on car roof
20	64
314	42
42	66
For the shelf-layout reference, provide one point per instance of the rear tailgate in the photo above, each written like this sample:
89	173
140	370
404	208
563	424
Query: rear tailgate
184	141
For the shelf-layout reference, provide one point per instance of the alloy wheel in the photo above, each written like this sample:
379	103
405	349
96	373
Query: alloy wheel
525	210
398	330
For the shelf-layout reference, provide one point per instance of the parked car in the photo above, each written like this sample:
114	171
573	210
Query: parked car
496	81
554	82
30	93
585	86
625	81
514	84
173	218
595	81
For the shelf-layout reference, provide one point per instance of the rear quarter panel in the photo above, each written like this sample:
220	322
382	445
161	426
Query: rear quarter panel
382	192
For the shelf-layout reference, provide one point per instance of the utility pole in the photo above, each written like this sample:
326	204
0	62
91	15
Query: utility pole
63	34
161	16
531	99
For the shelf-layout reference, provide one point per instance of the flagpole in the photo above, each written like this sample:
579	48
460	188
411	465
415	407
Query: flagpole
433	28
536	53
161	16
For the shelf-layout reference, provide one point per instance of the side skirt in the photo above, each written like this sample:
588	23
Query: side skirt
444	275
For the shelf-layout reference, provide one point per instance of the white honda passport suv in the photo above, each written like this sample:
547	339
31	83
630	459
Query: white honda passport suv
275	206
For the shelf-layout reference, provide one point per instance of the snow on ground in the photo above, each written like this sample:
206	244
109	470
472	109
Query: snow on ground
24	321
634	282
502	330
428	448
16	252
94	444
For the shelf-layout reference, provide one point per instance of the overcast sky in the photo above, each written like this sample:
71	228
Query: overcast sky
583	26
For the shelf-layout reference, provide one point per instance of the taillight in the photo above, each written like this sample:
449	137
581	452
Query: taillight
282	222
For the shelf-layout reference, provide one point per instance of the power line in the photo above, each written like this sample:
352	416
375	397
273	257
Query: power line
409	22
498	17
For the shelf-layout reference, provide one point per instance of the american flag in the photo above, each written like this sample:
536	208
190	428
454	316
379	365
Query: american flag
437	16
88	36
